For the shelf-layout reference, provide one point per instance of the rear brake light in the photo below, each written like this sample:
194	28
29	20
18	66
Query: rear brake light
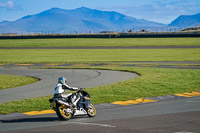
87	98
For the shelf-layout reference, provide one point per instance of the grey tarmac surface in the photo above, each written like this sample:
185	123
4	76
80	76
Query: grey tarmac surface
108	47
174	64
176	115
170	116
76	77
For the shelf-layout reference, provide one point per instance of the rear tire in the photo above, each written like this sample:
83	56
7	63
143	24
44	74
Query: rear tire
61	113
91	111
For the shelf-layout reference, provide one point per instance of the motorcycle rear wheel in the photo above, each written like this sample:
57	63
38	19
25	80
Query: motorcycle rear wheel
91	111
62	114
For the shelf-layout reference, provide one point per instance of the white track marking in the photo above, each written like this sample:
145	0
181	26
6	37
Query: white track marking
192	101
184	132
92	124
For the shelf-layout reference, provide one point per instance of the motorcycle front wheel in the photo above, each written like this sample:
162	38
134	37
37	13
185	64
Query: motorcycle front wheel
91	111
62	113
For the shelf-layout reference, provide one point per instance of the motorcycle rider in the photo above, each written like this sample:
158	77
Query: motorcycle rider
60	89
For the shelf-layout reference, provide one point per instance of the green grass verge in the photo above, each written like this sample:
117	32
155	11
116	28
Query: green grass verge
152	82
86	42
97	55
10	81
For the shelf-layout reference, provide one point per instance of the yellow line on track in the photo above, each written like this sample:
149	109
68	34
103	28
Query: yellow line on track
137	101
80	65
51	64
193	94
24	64
40	112
129	102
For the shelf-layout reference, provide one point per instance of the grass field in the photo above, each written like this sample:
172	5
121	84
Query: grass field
152	82
86	42
97	55
10	81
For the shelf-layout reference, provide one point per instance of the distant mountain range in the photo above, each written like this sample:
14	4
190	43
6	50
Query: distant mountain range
186	21
80	19
84	20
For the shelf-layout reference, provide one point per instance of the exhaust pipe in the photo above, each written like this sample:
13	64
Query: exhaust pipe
64	103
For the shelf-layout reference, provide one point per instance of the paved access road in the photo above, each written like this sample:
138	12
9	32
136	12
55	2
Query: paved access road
48	79
171	116
108	47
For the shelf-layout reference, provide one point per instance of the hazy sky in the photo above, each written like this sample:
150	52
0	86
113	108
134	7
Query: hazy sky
163	11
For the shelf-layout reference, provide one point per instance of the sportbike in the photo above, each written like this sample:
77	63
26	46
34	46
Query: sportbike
67	106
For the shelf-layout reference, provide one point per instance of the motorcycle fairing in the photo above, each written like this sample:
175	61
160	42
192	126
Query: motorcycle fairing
84	102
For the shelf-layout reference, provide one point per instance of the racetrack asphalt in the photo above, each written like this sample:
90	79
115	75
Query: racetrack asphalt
168	116
180	115
108	47
48	78
158	64
177	115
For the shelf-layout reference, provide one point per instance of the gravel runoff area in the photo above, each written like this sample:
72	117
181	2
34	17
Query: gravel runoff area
48	79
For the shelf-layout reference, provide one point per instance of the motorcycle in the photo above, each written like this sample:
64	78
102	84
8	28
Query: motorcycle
73	104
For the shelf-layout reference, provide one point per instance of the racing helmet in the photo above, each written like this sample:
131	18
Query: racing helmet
62	80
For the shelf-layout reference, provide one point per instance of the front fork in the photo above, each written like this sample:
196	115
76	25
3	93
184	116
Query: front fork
53	106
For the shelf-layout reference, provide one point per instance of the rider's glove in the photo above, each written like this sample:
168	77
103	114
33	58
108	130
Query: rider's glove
81	89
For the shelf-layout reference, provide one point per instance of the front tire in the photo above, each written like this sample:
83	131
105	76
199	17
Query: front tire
91	111
62	113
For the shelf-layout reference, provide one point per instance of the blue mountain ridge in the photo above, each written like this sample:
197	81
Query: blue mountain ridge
80	19
186	21
76	20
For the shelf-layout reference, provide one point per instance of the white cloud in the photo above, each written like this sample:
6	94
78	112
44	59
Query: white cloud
159	11
9	5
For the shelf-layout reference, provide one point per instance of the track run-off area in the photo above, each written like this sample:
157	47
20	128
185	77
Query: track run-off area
108	47
48	79
178	113
173	114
